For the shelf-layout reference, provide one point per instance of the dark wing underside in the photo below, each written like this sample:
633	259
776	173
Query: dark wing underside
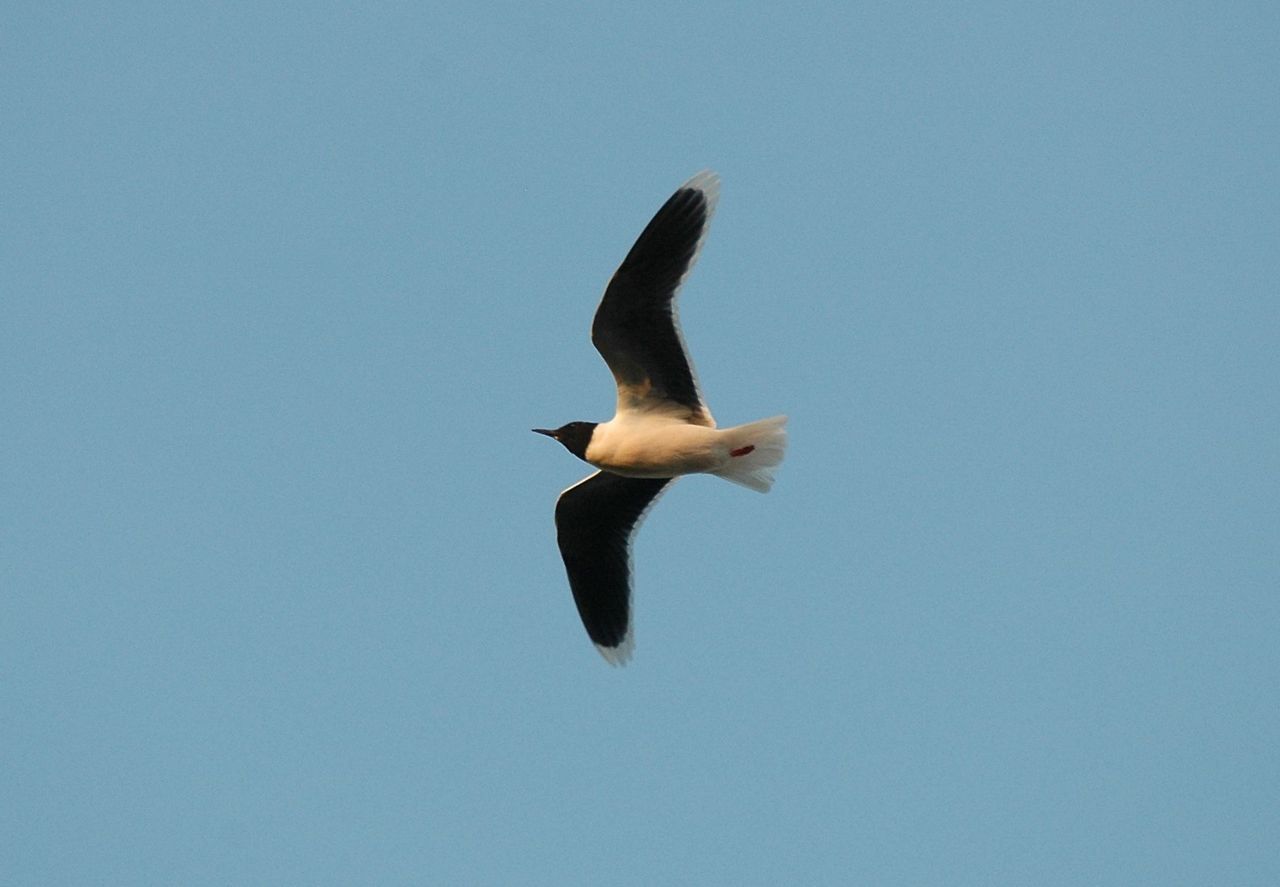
595	520
635	328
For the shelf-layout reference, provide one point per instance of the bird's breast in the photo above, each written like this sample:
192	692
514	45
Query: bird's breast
654	448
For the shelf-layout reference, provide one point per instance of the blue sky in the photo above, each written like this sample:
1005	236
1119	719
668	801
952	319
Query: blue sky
287	285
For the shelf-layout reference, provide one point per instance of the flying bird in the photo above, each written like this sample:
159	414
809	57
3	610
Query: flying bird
661	428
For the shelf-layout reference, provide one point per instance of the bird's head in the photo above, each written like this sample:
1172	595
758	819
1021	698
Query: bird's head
575	436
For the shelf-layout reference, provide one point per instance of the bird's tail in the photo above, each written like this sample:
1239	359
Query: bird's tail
755	452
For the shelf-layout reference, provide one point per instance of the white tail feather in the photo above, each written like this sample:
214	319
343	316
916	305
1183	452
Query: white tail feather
755	469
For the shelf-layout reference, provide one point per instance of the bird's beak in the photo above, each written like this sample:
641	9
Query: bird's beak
547	431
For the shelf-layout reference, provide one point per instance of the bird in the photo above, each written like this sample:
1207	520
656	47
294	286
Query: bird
661	428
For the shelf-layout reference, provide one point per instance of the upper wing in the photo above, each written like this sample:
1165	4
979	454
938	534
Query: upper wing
595	521
635	328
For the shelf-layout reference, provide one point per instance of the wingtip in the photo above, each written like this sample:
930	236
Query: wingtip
708	182
620	655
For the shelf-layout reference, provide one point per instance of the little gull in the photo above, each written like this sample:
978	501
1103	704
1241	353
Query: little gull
662	427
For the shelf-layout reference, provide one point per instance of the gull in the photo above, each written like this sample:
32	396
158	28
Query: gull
662	427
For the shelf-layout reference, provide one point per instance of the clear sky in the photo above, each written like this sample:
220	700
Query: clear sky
285	286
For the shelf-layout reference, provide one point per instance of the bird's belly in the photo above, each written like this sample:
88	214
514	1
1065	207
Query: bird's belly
663	451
